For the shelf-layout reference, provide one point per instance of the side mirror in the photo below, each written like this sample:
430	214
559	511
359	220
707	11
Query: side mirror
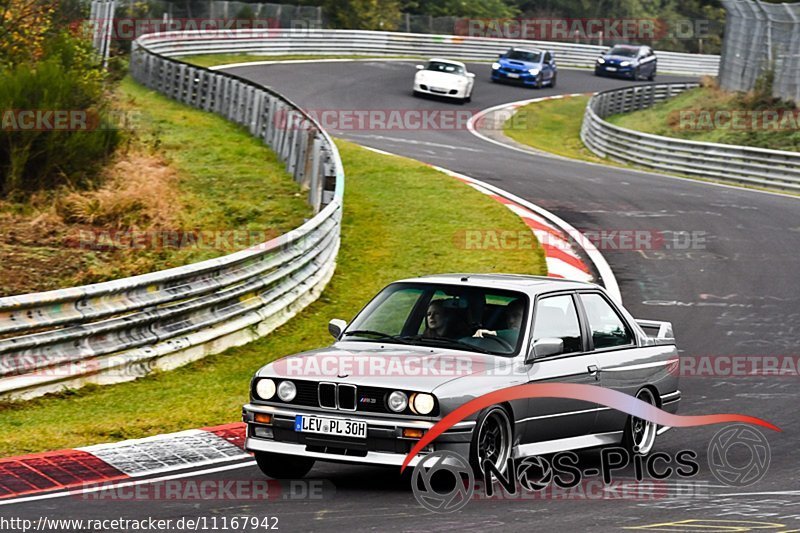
545	347
336	327
420	67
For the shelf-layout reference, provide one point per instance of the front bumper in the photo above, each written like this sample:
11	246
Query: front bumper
445	92
625	72
525	78
384	444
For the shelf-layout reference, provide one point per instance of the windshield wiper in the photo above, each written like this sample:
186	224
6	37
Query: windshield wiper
382	336
458	343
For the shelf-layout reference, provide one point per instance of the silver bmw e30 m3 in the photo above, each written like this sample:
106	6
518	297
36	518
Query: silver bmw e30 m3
425	346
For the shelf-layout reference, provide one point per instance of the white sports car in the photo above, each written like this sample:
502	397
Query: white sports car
442	77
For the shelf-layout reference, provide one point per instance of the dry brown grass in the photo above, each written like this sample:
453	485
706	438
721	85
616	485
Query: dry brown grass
139	192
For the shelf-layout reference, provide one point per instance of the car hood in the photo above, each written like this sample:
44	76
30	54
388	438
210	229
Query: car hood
414	368
441	78
516	63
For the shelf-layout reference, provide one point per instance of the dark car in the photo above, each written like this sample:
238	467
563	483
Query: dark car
628	61
531	67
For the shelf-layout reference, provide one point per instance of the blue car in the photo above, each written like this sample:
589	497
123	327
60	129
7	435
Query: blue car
534	68
627	61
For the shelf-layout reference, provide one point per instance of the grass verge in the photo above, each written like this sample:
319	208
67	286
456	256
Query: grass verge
552	126
183	170
700	105
395	225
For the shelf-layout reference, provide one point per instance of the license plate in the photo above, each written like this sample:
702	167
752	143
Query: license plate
438	90
510	75
330	426
611	69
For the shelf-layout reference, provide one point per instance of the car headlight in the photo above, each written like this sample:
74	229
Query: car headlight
600	60
534	71
398	401
287	391
625	64
422	403
495	66
265	389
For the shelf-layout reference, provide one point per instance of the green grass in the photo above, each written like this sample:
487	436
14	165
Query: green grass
401	219
552	126
229	179
664	119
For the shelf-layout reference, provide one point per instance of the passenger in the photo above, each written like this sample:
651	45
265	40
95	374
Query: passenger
436	320
514	312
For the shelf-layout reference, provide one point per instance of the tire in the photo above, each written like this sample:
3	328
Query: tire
553	81
468	99
539	81
493	439
640	435
279	466
652	76
636	76
598	73
416	94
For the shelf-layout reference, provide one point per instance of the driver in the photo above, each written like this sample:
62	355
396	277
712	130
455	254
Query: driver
514	312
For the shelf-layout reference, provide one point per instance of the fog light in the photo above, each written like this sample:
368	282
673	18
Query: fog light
262	432
411	433
262	418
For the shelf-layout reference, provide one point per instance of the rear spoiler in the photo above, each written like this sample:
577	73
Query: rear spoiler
662	331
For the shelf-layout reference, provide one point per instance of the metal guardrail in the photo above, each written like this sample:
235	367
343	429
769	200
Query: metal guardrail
760	167
349	42
123	329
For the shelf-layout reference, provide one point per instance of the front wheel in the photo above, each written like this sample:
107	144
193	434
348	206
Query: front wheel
640	435
280	466
539	81
553	81
492	440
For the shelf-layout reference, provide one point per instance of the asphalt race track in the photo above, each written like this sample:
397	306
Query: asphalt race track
734	292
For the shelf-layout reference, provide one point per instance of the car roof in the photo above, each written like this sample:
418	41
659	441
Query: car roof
441	60
531	285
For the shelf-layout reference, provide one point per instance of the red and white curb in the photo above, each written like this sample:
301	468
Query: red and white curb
70	471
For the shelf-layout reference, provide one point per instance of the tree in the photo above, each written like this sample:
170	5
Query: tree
24	28
364	14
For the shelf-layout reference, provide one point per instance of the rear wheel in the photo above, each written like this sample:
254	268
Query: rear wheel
640	435
279	466
492	440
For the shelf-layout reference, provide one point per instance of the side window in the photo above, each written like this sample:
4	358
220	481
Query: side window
607	328
556	317
547	57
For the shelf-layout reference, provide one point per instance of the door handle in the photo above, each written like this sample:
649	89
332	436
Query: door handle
592	369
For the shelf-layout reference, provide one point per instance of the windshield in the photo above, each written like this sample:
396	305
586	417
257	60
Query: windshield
444	316
625	51
519	55
448	68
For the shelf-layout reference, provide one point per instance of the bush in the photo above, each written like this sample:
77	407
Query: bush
45	158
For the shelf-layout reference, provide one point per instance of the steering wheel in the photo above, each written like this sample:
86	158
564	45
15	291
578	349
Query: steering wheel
502	342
